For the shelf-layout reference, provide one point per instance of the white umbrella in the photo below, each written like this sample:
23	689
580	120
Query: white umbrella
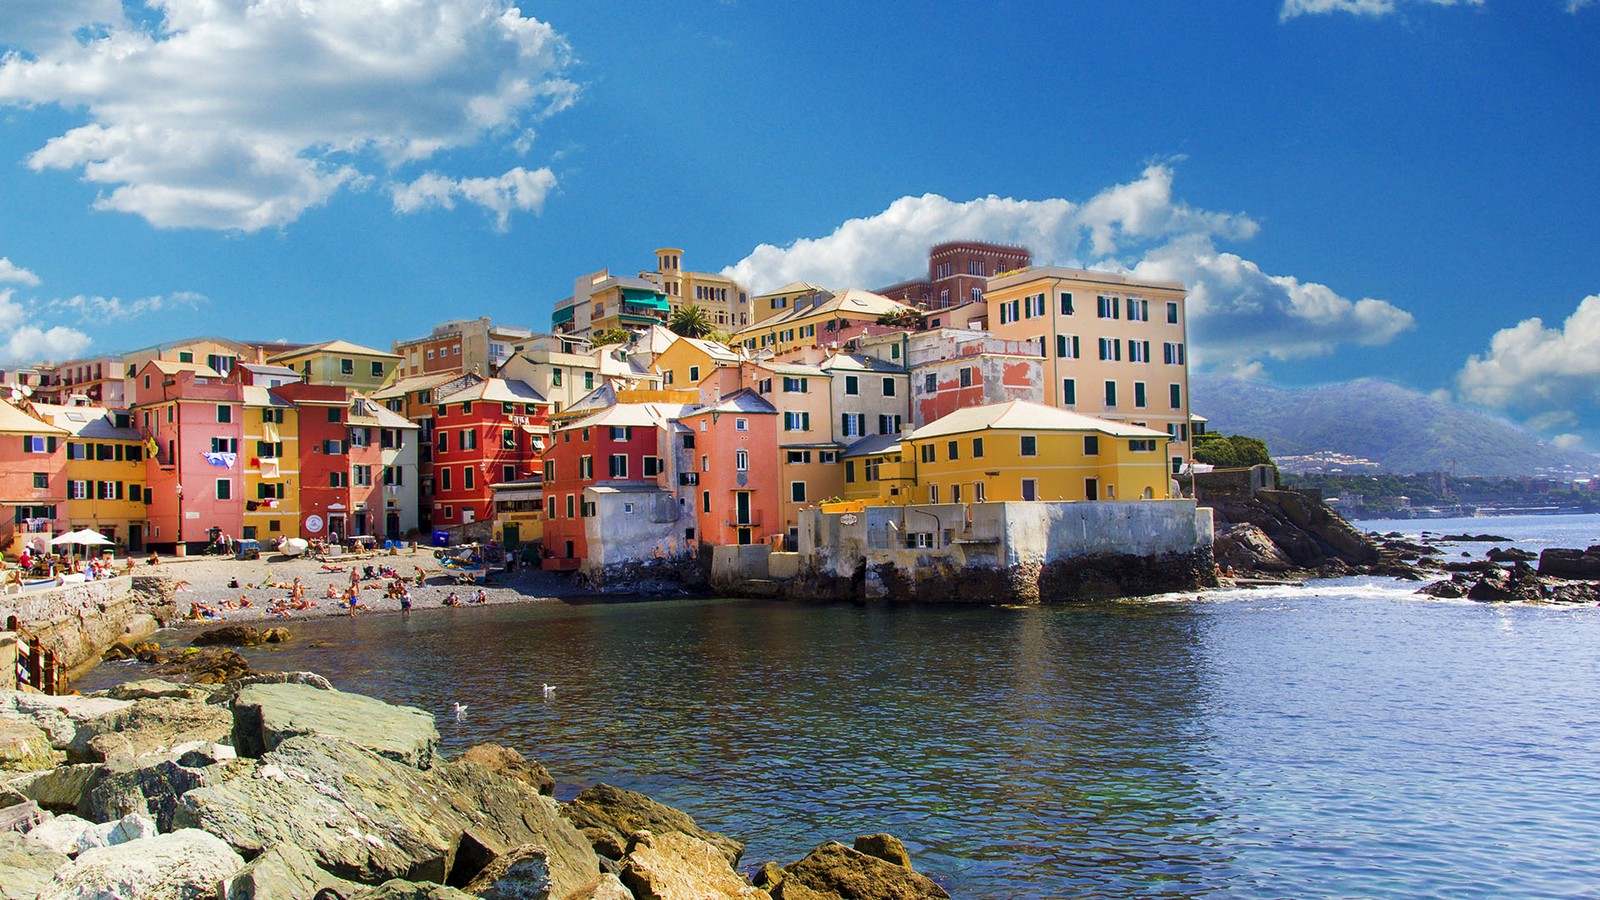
82	536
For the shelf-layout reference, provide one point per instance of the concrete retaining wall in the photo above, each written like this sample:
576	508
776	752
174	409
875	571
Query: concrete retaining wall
78	622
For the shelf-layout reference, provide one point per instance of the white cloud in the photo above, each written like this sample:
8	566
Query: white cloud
1537	371
101	309
1568	441
23	341
1293	8
1240	314
11	273
516	190
242	115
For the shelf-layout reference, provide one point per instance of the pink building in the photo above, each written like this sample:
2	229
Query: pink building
736	447
194	480
33	487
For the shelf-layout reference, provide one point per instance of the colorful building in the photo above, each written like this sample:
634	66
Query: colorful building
958	272
341	364
954	369
816	322
194	417
383	471
105	471
33	482
322	412
1114	346
1027	451
687	360
739	489
476	345
272	477
489	432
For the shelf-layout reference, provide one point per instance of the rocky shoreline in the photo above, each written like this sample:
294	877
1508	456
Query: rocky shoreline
279	787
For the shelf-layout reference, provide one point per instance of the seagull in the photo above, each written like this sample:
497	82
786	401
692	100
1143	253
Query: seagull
549	689
461	711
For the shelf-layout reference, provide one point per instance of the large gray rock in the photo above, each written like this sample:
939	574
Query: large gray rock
886	847
184	865
59	788
609	815
677	866
157	688
24	747
26	867
19	815
367	818
129	828
285	872
155	726
151	790
509	762
265	715
60	834
522	874
1561	562
65	718
836	872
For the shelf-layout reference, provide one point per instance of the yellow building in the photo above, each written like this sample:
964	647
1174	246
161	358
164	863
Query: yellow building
726	304
341	363
687	360
780	301
819	320
874	472
1027	451
1114	346
105	471
270	451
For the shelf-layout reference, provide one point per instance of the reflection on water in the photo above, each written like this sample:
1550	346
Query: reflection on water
1345	739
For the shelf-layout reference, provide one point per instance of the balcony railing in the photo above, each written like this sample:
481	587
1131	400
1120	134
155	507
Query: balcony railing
748	520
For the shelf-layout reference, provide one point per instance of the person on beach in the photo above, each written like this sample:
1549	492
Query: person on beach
333	592
298	591
481	597
452	600
421	576
405	601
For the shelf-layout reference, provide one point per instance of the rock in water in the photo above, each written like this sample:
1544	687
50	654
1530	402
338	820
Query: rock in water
836	872
184	865
607	815
1558	562
26	867
285	872
886	847
265	715
677	866
510	763
228	636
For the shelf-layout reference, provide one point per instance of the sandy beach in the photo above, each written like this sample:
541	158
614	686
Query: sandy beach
210	581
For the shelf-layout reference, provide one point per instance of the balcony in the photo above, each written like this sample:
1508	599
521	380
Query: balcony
748	520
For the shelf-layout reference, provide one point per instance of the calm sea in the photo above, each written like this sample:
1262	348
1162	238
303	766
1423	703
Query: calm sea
1348	738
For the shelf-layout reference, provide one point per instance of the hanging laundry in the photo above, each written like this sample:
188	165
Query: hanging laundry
269	468
220	459
269	432
151	448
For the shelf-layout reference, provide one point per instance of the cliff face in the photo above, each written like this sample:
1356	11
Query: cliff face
1285	532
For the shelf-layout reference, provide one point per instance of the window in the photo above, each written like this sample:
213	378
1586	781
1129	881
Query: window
652	466
888	424
930	383
585	467
688	442
362	475
1109	308
622	432
955	493
619	465
1067	346
1029	445
849	471
444	479
76	490
705	501
222	445
1066	304
508	439
571	508
1033	306
798	456
1091	445
797	421
933	493
977	492
32	444
77	451
360	437
224	489
741	424
347	367
1138	310
1110	349
41	480
466	408
1175	394
1172	354
694	374
953	451
966	376
1009	312
795	385
925	453
1030	488
852	385
588	381
444	441
827	456
1069	391
1138	394
549	507
1172	313
797	491
741	460
977	448
393	476
852	424
467	439
1139	351
468	478
1111	394
705	463
1142	445
224	413
555	377
377	369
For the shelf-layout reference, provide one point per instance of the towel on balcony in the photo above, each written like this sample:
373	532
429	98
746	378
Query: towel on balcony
220	459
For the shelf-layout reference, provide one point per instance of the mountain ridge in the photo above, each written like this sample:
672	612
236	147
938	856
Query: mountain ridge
1403	430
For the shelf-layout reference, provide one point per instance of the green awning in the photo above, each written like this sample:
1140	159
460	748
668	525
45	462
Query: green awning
639	297
564	314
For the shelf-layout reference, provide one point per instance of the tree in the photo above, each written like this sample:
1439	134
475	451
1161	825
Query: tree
611	336
1235	452
690	321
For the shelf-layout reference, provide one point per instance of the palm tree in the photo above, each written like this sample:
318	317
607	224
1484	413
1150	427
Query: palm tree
690	321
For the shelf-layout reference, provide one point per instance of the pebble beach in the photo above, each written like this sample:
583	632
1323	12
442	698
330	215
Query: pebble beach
209	580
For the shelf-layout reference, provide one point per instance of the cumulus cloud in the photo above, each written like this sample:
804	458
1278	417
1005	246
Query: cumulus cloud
24	341
1294	8
11	273
1240	315
516	190
242	115
1535	370
101	309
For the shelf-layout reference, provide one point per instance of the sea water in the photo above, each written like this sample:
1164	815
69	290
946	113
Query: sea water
1347	738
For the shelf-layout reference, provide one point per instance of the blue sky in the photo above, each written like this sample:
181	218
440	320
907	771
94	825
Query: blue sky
1405	189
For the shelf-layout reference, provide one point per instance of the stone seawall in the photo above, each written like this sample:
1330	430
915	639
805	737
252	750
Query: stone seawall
78	622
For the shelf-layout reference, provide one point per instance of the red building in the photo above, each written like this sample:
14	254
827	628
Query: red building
957	274
323	411
488	432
